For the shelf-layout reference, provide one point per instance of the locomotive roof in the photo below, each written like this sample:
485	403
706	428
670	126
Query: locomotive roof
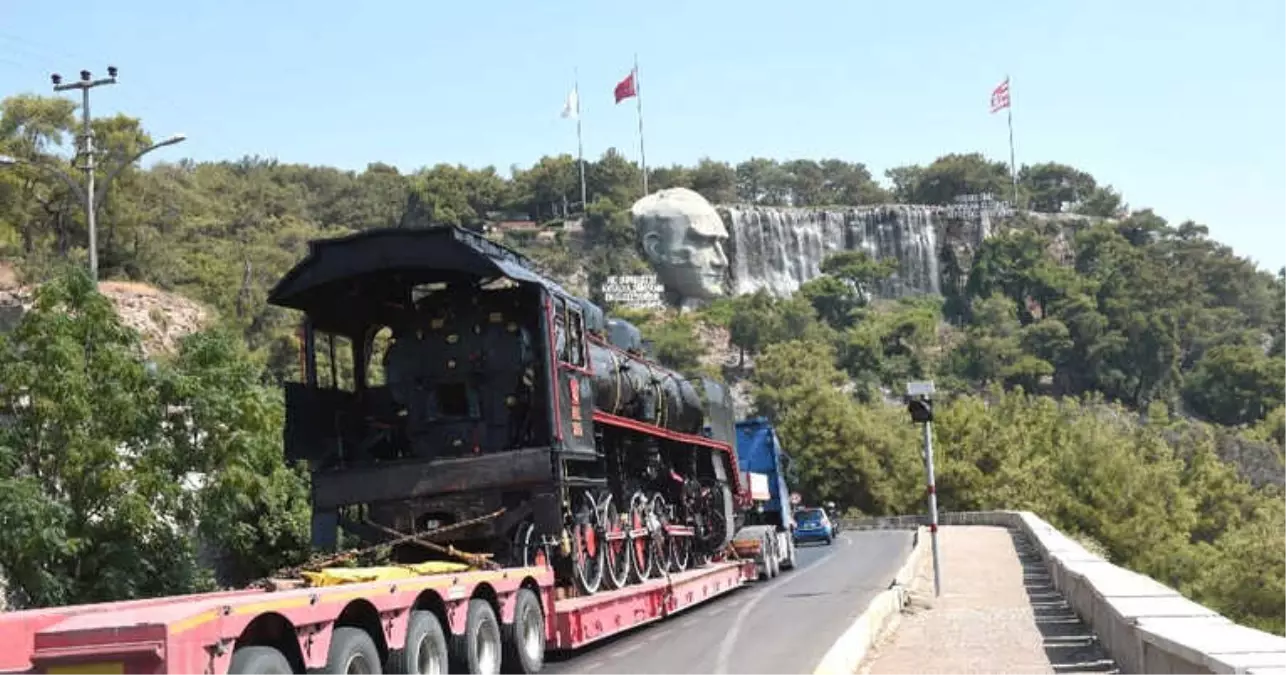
420	254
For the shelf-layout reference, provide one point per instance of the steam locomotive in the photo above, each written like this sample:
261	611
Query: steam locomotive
445	379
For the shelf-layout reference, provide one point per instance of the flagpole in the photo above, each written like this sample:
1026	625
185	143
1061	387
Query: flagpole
638	95
580	144
1009	112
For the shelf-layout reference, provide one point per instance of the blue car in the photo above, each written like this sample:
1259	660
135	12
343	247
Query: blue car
813	525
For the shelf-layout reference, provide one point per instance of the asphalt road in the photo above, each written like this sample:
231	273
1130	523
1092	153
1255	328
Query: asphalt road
781	626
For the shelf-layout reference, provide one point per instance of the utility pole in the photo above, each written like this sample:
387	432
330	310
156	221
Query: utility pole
86	83
91	194
919	402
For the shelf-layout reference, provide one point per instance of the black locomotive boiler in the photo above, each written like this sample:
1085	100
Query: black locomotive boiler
444	379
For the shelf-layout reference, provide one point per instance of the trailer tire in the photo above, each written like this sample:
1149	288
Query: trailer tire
765	559
479	650
426	647
770	558
788	562
524	639
774	563
352	651
259	659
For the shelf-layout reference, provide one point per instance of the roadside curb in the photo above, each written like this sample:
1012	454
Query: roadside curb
850	649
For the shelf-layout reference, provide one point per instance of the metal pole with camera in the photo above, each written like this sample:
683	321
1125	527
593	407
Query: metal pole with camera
919	402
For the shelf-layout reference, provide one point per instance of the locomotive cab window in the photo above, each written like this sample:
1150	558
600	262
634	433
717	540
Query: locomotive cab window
569	334
575	347
334	362
560	329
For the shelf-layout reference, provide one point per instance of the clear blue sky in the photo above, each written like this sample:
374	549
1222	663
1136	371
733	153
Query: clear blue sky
1179	104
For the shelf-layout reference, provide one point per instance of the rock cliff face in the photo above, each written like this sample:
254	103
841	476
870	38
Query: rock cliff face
780	248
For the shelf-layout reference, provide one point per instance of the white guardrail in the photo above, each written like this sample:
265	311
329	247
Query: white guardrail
1146	626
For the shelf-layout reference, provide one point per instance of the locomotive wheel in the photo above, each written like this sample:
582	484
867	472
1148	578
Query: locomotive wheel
587	553
715	523
677	550
641	554
658	518
527	550
680	550
617	554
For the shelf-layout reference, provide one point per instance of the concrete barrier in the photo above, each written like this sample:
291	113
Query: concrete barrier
878	618
1145	625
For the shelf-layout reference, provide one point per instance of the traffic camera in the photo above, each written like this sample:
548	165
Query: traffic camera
919	401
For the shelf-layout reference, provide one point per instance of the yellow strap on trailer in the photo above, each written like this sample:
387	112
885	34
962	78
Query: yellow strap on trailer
337	576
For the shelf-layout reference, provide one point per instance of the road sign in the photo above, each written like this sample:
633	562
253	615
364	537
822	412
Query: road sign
795	499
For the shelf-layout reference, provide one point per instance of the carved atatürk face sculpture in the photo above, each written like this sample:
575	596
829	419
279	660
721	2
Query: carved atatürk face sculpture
683	239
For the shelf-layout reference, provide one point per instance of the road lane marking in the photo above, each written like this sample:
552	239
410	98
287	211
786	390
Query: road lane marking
730	640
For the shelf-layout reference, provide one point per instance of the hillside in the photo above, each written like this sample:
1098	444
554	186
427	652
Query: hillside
1096	360
161	318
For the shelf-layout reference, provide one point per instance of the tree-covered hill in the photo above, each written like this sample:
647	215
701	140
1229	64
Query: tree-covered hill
1098	363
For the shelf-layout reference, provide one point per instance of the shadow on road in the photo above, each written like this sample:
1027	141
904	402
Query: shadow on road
1070	644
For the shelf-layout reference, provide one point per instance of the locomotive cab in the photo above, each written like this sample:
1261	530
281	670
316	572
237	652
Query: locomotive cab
426	376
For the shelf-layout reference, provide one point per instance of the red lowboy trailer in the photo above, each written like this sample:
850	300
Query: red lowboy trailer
472	620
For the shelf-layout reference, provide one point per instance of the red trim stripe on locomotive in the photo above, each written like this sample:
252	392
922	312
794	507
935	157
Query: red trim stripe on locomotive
644	428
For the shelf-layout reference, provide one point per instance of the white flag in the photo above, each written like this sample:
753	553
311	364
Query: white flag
572	107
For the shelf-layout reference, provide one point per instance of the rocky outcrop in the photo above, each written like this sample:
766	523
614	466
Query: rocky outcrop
161	318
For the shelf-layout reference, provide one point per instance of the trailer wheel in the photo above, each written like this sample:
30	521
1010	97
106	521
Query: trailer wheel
774	561
765	560
788	563
479	649
525	638
426	647
352	651
258	659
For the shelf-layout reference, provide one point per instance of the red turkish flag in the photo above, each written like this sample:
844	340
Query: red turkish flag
625	88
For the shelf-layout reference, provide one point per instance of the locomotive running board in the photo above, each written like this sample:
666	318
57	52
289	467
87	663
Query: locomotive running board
581	621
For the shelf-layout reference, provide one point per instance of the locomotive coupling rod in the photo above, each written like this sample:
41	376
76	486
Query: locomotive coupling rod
418	539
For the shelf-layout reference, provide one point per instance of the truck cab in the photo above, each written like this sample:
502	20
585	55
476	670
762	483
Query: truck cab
769	521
